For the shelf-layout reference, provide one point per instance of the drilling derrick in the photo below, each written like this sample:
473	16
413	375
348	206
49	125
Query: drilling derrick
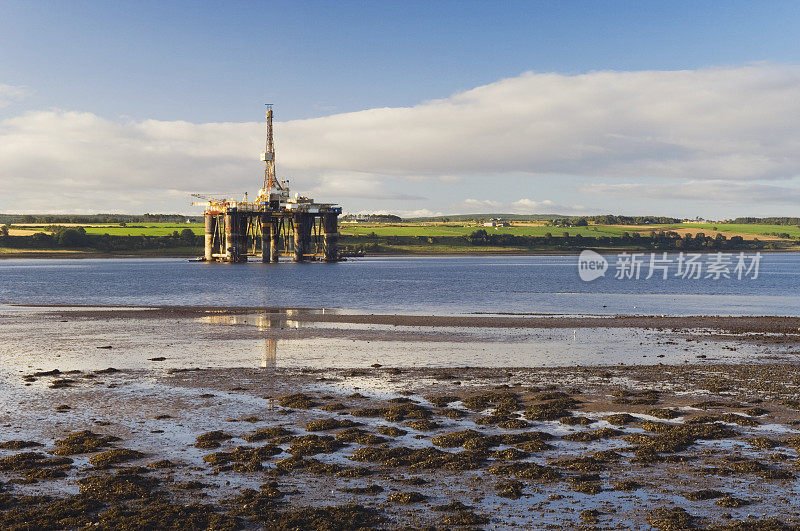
272	226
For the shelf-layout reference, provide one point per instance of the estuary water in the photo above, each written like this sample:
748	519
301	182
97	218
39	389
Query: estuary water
427	285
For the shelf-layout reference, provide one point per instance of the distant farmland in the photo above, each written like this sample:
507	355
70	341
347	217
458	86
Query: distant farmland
747	231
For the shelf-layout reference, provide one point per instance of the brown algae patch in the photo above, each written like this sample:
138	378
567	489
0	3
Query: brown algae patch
263	434
83	442
330	424
314	444
211	440
297	401
113	457
18	445
36	466
359	436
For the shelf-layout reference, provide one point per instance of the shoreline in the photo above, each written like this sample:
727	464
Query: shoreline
763	324
52	254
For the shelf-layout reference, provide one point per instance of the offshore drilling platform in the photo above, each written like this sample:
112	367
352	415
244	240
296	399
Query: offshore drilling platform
272	226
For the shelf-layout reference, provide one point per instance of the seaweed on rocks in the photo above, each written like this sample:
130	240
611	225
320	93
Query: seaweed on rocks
160	513
576	421
252	455
212	439
627	485
664	413
36	466
263	434
40	512
526	470
359	436
257	505
551	409
674	438
421	458
114	456
369	412
83	442
590	516
391	431
314	444
442	400
307	464
124	485
670	519
18	445
513	424
620	419
330	424
465	518
511	489
729	501
405	411
457	438
334	406
297	401
499	400
328	518
422	425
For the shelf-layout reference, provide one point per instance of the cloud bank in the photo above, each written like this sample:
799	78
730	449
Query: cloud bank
728	131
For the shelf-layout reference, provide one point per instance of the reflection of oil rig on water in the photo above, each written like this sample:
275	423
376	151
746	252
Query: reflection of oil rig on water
271	226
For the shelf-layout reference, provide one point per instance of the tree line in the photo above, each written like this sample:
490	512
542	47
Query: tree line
768	221
653	241
657	240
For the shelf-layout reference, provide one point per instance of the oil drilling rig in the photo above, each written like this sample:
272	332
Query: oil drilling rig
272	226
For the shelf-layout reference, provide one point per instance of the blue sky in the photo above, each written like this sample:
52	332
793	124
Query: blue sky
129	68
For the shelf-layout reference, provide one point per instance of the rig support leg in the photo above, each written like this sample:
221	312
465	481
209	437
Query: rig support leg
330	226
299	229
231	237
266	240
242	239
211	228
274	234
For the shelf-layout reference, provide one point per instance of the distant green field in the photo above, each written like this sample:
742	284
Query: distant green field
165	229
154	229
590	231
446	230
137	229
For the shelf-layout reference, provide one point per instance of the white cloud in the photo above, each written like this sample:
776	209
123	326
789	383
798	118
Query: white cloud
366	186
546	206
477	206
731	123
718	190
710	125
9	93
419	213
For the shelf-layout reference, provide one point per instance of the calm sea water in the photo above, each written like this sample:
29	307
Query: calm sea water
442	285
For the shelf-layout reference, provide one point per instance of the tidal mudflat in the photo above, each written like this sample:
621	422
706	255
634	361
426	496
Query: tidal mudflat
159	430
